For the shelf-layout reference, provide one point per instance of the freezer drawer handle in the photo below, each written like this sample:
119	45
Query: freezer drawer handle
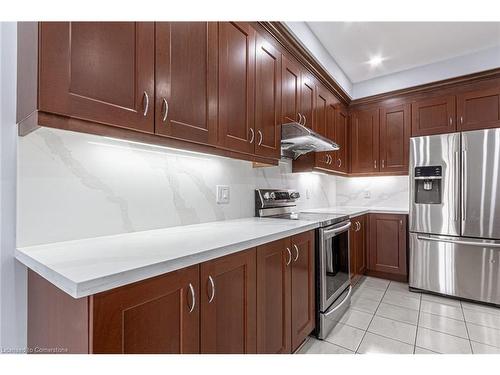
469	243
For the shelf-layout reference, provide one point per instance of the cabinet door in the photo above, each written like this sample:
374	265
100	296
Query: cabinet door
158	315
387	246
433	116
479	109
341	162
394	138
303	309
98	71
267	100
290	90
186	81
228	304
307	96
236	86
353	250
273	297
365	141
361	263
322	99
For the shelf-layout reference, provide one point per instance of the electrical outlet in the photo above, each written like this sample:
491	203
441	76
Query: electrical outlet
222	194
367	194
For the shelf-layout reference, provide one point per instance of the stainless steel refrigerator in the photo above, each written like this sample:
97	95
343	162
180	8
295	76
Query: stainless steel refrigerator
455	214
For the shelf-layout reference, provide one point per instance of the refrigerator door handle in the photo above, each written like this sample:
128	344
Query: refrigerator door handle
457	185
460	242
464	184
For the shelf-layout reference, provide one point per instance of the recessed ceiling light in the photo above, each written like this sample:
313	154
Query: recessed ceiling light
376	60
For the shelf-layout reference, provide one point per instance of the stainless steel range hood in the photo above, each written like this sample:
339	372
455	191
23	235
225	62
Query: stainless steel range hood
297	140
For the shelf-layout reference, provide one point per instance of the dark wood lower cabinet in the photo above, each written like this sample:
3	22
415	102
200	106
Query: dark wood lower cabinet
274	297
253	301
387	249
158	315
357	248
303	303
228	308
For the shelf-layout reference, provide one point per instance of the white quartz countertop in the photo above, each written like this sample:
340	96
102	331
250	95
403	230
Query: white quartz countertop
89	266
353	211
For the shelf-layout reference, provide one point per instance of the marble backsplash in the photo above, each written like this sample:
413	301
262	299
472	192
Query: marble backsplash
73	186
384	191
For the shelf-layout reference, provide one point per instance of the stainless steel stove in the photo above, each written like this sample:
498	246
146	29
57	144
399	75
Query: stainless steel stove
333	289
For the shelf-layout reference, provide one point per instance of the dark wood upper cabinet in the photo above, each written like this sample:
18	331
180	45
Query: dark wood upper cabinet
228	304
273	297
321	102
365	141
433	116
186	81
479	109
394	138
158	315
98	71
388	244
307	99
341	161
267	100
290	90
236	86
303	295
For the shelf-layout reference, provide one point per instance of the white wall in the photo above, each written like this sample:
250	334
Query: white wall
309	40
12	274
457	66
73	185
383	191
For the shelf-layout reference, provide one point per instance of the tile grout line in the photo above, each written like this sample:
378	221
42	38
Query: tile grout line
418	321
466	327
373	316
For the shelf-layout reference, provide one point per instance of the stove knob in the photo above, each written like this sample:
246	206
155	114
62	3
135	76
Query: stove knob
268	196
272	195
295	195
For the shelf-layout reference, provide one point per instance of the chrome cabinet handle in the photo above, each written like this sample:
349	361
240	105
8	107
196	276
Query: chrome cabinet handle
451	121
193	298
212	285
328	157
375	164
296	252
358	226
252	134
289	256
261	137
383	163
339	162
305	120
146	104
165	110
300	118
461	119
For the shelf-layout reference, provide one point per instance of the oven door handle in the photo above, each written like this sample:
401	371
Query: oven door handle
331	232
340	304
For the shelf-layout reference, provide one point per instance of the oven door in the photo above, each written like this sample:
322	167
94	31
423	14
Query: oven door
334	268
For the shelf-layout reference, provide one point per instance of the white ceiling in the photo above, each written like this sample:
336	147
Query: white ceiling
403	45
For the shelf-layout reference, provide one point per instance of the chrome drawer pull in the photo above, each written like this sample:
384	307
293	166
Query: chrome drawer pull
212	284
193	299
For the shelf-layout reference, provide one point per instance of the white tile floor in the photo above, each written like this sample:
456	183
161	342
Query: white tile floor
385	317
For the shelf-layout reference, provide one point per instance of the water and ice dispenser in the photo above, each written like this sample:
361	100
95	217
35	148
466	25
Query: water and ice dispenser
428	182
